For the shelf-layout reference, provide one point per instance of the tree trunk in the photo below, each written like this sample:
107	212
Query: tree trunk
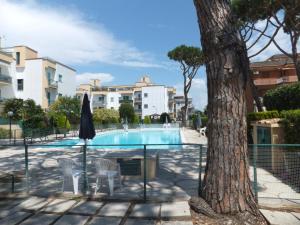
185	107
294	40
227	187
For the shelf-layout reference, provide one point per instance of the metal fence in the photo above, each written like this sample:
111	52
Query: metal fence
275	170
150	171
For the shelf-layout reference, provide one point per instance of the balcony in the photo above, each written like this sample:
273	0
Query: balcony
4	79
139	111
52	84
125	100
138	99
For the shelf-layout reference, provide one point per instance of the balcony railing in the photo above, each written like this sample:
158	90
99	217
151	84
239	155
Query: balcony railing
52	83
125	100
137	99
5	78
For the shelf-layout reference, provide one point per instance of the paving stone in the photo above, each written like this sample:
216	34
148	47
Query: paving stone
38	219
296	215
105	221
14	218
72	219
139	222
175	209
9	203
114	209
176	223
59	205
7	212
32	203
89	207
280	218
150	210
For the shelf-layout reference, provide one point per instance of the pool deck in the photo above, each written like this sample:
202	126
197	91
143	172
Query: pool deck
176	181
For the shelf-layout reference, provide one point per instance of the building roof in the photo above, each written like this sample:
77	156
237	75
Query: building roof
275	60
53	61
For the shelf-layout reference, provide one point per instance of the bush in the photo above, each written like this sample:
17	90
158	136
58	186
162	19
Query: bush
291	124
283	98
255	116
163	117
147	120
126	110
136	119
106	116
4	133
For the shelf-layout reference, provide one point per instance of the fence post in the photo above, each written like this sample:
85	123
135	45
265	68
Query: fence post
145	175
26	168
84	169
200	172
15	137
255	172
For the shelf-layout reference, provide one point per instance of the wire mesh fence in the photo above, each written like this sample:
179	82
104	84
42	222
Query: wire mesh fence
275	170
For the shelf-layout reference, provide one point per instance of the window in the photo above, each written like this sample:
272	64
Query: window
59	94
145	95
139	106
60	78
100	99
111	99
20	84
145	106
18	58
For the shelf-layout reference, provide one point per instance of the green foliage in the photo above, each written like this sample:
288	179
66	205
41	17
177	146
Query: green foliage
283	98
191	56
163	117
106	116
68	106
255	116
147	120
32	115
4	133
126	110
61	122
136	119
291	123
14	105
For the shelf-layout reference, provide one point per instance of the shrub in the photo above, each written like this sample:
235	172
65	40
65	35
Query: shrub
126	110
147	120
105	116
254	116
136	119
291	124
4	133
163	117
283	98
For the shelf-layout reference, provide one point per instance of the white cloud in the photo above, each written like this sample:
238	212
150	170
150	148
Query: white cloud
85	78
66	35
198	92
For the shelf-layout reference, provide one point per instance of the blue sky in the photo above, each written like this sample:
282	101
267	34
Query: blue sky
115	40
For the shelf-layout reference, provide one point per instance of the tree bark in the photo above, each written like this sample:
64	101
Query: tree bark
227	187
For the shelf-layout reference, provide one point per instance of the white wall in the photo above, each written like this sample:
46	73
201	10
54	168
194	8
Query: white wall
7	90
115	104
32	75
68	84
157	100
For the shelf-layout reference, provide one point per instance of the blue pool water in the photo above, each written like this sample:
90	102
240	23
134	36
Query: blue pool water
160	136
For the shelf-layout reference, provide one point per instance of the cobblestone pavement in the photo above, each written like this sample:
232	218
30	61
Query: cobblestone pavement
38	210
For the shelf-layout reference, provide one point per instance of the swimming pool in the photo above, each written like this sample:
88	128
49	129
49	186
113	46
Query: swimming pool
167	137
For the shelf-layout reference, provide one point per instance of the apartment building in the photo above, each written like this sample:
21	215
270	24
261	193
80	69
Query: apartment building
276	71
179	104
147	98
26	75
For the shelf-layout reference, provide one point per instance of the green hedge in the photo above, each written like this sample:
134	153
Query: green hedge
255	116
4	133
291	123
283	98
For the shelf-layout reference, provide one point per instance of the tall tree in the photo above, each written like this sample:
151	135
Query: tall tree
276	15
227	186
190	59
126	112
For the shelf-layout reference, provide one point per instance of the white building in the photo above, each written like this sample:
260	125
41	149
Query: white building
32	77
146	97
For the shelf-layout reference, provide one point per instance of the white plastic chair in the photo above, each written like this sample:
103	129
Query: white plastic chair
69	173
106	169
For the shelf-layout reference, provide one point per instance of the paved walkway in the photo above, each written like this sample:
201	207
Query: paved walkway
37	210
